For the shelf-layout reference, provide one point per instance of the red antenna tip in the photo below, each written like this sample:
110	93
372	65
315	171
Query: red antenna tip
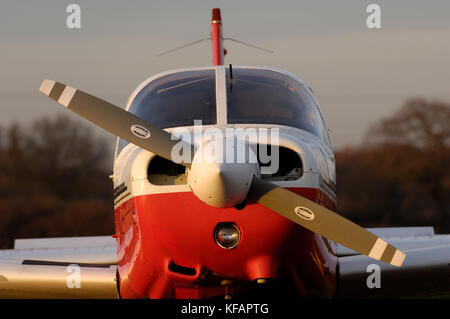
216	15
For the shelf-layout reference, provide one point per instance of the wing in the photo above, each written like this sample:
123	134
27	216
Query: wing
75	267
425	272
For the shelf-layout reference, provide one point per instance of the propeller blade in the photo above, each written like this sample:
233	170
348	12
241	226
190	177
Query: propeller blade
113	119
323	221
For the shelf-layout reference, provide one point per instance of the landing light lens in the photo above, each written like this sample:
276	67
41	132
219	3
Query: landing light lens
227	235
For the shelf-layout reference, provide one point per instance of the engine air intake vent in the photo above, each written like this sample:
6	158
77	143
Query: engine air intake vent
165	172
290	166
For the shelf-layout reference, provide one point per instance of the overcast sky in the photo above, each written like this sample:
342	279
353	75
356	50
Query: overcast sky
358	74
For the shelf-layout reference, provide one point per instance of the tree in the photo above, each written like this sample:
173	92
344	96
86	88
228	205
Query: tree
54	182
419	123
404	169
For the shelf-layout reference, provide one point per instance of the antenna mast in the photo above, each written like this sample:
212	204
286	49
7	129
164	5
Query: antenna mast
217	37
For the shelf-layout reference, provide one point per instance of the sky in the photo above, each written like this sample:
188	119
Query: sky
359	75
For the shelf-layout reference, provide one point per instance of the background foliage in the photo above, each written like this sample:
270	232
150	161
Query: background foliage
54	176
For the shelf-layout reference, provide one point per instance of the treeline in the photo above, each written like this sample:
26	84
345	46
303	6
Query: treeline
400	176
54	176
53	182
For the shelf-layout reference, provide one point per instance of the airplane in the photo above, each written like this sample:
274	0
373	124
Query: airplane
203	226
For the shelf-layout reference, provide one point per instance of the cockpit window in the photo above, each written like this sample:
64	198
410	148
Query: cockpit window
177	99
258	96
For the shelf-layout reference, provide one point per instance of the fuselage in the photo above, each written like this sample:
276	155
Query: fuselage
165	235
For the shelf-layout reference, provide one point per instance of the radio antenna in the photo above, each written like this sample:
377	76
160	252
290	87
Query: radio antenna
216	36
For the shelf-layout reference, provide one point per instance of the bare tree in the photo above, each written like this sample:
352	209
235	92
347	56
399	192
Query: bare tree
54	181
419	123
411	149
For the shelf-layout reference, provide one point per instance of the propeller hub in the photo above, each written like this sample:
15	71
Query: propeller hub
221	177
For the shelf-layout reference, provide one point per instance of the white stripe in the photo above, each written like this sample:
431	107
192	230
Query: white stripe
47	86
398	258
378	249
67	96
122	199
221	95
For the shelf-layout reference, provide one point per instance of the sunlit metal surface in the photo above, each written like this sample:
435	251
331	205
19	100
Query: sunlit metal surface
93	255
425	272
21	280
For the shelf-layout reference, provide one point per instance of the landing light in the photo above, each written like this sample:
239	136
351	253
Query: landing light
227	235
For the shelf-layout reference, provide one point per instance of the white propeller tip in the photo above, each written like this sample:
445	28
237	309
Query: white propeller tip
398	259
47	86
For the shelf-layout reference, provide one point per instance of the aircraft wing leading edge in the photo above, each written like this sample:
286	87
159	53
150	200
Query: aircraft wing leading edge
38	268
69	267
44	279
425	272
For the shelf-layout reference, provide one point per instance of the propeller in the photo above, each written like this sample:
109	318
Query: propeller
114	119
292	206
323	221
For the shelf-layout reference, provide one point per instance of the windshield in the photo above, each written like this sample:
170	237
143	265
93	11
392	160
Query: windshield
177	99
258	96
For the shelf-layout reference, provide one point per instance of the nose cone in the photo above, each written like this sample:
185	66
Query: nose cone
220	182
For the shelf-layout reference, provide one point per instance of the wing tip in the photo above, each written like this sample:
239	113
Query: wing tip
47	86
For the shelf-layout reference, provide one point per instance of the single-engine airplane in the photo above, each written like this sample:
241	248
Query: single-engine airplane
207	211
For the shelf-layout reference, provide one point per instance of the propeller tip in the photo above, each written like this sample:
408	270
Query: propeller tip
47	86
398	259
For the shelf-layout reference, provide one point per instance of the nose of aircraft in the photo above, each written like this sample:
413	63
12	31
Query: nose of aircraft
222	171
